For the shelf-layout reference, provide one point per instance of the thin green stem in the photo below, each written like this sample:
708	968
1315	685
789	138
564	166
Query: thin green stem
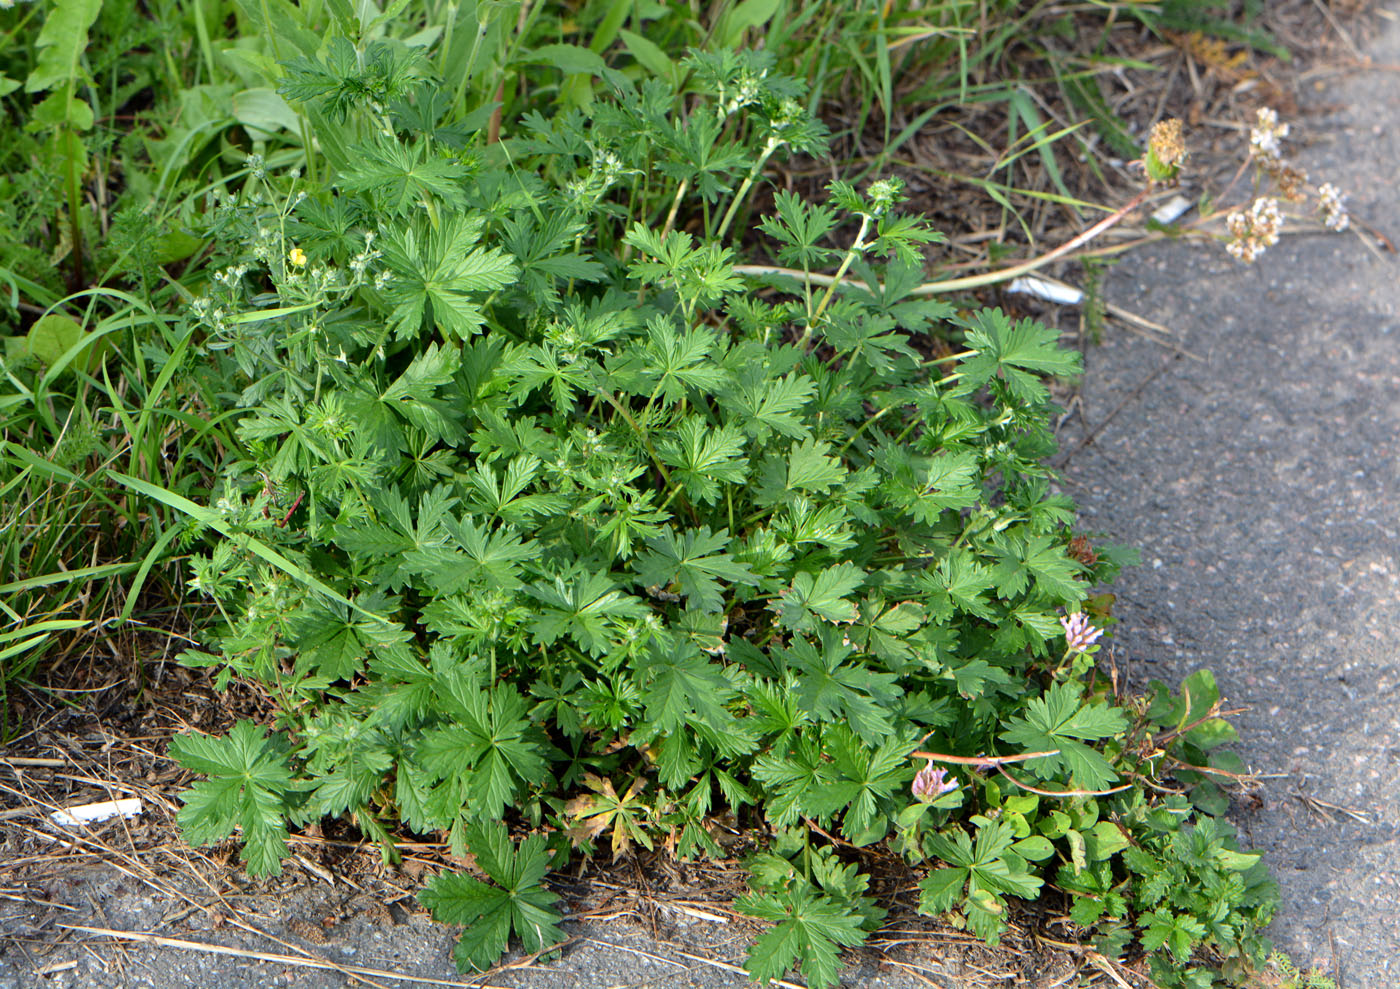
846	263
744	188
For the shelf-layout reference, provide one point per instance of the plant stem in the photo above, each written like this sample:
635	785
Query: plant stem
846	263
675	205
970	281
744	188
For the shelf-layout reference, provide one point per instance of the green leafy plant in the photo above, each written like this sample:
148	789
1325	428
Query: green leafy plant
817	904
535	508
248	785
517	902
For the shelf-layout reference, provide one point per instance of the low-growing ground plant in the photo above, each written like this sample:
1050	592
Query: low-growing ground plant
540	518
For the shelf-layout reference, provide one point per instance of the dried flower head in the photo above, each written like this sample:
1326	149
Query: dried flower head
1290	182
1254	229
931	783
1266	135
1331	206
1079	633
1166	150
1082	550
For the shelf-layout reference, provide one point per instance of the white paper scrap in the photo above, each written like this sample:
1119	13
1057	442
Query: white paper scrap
1171	209
96	813
1065	295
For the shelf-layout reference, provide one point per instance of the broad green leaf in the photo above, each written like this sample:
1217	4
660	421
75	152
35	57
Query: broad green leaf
569	59
649	54
249	777
1015	354
824	597
517	903
1058	720
693	562
810	930
61	43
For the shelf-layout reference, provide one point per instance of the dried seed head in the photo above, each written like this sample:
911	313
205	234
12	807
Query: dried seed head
1254	229
1331	206
1166	150
1266	135
1290	182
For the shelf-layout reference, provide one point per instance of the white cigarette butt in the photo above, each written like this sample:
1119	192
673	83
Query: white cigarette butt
104	810
1065	295
1171	209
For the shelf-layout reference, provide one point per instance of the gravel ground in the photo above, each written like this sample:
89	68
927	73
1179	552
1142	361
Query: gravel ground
1260	484
1263	489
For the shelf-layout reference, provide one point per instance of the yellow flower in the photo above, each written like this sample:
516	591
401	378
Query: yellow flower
297	256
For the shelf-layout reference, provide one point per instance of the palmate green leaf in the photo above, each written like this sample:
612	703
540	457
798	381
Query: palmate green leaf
249	778
1016	354
438	271
692	561
413	395
988	867
332	640
958	583
810	467
1178	933
401	177
800	227
397	534
1039	558
762	405
674	363
543	366
811	930
821	597
860	336
705	458
885	630
790	777
581	608
831	689
473	557
488	751
1059	720
866	781
503	497
681	686
517	903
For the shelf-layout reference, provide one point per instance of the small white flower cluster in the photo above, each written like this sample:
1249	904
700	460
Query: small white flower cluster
883	194
745	92
1332	208
203	310
266	246
587	190
1254	229
1266	136
256	165
789	115
231	275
